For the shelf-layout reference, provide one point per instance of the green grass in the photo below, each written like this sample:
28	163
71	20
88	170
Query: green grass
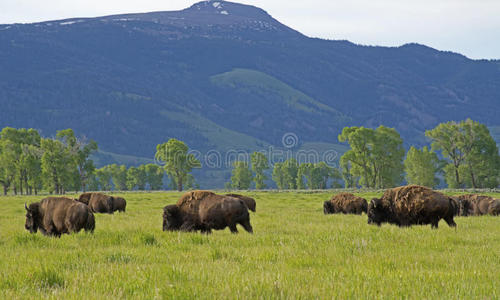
295	252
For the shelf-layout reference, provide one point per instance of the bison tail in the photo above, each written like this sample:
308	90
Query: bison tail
90	226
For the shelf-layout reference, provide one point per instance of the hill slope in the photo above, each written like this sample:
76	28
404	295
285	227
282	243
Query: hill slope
133	81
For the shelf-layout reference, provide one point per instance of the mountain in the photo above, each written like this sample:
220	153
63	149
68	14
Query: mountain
220	76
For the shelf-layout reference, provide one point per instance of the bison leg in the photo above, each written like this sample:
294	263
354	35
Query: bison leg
450	222
247	226
434	224
206	230
233	228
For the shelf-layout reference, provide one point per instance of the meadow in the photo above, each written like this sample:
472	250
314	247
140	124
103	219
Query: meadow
295	252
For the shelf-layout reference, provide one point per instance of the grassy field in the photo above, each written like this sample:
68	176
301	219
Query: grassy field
295	252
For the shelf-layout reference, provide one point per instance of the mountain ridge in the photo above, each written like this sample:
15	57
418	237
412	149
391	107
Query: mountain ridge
132	81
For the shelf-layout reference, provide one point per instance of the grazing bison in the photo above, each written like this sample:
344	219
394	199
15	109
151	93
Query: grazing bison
412	205
85	198
98	202
119	204
55	216
345	203
465	207
204	211
478	205
250	202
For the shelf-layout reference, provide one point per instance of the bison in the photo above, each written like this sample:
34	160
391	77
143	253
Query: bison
478	205
465	207
204	211
250	202
85	198
98	202
345	203
412	205
119	204
55	216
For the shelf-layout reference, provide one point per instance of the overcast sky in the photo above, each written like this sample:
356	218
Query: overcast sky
470	27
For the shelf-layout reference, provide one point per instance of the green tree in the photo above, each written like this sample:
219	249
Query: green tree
290	169
18	141
93	181
421	167
471	153
303	173
56	165
375	159
136	178
259	165
154	176
241	178
119	176
33	166
316	175
132	178
80	152
482	161
104	178
190	182
446	138
320	174
350	181
7	166
178	162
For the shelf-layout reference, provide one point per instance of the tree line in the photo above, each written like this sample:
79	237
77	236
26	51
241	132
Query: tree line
469	158
30	163
463	153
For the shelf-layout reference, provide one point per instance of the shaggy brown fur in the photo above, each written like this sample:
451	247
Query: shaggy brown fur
189	204
85	198
250	202
478	205
101	203
409	205
345	203
55	216
119	204
205	210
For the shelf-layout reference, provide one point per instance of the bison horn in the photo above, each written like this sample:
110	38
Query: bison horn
25	206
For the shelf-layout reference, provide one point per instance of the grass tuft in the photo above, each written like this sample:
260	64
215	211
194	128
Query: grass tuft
46	279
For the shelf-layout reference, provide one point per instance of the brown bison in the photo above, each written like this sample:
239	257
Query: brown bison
85	198
478	205
412	205
250	202
345	203
204	211
98	202
119	204
55	216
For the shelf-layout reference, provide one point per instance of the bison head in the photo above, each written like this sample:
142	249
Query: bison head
172	218
464	207
376	213
32	217
328	208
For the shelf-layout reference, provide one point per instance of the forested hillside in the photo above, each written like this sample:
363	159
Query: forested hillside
221	75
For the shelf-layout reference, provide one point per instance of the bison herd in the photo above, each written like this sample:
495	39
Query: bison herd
413	205
205	211
57	215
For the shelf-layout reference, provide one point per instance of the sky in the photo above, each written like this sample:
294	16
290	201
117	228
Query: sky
469	27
